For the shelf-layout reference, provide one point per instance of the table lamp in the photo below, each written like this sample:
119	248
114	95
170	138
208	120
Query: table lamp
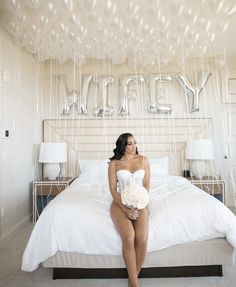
51	155
198	151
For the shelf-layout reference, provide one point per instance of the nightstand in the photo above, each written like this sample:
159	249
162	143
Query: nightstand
45	190
212	185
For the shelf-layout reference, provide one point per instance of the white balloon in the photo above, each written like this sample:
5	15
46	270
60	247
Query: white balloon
232	10
35	4
13	5
13	28
69	4
110	27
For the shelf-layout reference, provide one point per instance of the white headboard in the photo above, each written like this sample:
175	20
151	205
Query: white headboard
94	138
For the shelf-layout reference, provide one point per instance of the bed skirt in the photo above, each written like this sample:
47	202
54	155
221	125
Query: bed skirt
199	258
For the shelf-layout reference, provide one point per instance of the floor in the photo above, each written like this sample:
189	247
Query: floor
12	276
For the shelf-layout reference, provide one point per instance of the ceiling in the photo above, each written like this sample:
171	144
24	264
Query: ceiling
141	32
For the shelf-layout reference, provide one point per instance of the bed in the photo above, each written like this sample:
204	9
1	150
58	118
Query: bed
190	233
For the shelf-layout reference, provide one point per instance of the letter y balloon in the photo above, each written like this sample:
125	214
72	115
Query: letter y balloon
193	91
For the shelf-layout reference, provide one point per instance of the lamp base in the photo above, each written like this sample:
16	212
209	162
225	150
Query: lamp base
198	168
51	170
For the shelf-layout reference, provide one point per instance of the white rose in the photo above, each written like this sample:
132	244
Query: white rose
135	196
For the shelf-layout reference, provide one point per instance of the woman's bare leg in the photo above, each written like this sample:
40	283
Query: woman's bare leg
126	231
141	236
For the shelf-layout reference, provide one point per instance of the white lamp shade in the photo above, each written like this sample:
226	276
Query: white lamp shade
200	149
53	152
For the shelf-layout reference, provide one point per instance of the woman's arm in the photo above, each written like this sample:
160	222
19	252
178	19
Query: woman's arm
146	180
113	184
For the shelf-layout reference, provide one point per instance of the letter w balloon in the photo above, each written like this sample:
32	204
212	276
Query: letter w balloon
104	108
70	97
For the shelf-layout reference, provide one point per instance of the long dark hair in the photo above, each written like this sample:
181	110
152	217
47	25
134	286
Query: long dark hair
121	144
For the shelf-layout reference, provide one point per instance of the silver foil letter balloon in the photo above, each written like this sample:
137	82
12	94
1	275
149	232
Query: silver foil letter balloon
83	99
70	98
104	109
74	98
193	91
155	93
125	93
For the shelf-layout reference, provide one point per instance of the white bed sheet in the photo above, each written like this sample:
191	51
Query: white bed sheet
78	220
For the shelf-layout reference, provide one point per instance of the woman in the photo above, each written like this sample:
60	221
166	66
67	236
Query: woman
132	224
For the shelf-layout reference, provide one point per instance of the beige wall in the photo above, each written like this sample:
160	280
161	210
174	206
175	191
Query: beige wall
20	114
53	93
212	104
32	95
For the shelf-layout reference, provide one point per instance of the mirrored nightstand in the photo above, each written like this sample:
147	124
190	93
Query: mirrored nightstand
211	185
45	190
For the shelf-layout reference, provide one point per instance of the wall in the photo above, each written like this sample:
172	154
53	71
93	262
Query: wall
229	131
212	104
54	94
20	114
29	93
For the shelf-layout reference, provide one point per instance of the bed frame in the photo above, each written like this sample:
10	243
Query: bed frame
93	138
201	258
152	272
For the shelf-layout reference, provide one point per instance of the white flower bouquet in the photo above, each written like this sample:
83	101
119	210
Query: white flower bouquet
135	196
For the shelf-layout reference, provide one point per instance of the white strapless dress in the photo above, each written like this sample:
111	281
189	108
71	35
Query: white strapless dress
126	177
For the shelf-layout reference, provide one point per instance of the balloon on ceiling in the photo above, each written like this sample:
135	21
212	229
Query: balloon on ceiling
140	32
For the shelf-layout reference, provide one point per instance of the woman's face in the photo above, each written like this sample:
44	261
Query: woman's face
131	145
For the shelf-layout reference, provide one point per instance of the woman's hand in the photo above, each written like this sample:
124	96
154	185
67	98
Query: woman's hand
131	213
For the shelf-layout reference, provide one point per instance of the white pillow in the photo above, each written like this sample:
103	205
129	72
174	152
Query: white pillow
94	168
159	166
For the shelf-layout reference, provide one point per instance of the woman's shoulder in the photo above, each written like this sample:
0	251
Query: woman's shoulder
144	160
114	163
143	157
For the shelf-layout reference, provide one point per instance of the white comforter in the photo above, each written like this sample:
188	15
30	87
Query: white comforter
78	220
